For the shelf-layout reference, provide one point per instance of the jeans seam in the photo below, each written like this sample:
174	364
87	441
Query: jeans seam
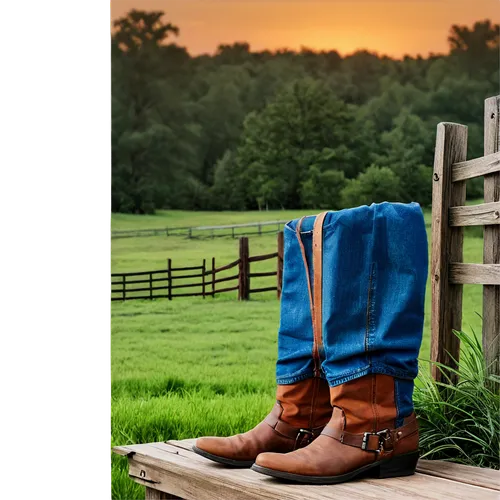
380	369
294	378
370	308
351	375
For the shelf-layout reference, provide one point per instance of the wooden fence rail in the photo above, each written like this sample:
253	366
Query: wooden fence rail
233	231
449	217
169	283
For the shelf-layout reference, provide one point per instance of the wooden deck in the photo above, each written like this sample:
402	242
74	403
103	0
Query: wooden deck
171	470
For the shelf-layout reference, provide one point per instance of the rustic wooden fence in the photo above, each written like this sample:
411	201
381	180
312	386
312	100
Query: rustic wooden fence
449	217
171	282
233	231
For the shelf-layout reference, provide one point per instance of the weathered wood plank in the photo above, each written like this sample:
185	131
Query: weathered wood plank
122	450
152	494
185	444
177	470
476	167
475	274
491	255
486	478
447	244
475	215
267	256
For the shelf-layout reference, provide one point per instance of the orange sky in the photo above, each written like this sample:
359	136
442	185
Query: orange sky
393	27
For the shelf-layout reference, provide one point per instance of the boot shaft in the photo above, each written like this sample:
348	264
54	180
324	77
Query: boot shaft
305	404
368	404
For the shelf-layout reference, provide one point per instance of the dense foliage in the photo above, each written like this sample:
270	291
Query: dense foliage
246	130
461	422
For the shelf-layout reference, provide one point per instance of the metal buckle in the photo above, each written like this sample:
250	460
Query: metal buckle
383	436
300	434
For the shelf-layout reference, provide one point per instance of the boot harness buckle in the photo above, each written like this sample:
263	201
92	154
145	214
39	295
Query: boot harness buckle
301	434
383	437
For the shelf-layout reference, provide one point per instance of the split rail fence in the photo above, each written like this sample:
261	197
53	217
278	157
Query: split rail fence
233	231
176	282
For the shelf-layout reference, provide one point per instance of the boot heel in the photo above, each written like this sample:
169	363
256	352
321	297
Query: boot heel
400	465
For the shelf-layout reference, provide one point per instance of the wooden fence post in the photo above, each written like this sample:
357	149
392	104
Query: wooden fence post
279	270
203	270
150	286
169	279
244	270
213	277
491	251
124	289
447	246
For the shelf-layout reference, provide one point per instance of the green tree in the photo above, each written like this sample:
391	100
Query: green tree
439	70
153	138
375	185
141	29
476	48
220	112
408	153
323	189
384	108
236	53
304	125
228	190
360	76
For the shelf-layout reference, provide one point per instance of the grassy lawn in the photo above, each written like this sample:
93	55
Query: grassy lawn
183	218
191	366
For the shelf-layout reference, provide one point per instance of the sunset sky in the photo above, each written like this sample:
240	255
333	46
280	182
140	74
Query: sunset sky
392	27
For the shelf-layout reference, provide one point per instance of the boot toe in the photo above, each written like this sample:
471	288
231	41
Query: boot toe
274	461
298	462
212	445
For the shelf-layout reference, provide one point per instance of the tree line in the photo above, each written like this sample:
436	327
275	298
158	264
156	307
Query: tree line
242	130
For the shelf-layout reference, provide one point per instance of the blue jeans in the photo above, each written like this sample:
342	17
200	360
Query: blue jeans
373	287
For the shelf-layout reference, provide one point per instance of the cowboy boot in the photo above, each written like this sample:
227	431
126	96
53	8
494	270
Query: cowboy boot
368	315
298	417
360	440
303	400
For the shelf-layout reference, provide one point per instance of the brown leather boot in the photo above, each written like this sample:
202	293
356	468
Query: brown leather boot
299	415
359	441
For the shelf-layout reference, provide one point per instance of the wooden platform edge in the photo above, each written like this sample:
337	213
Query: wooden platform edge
488	479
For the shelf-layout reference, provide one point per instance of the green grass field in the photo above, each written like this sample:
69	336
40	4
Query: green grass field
181	218
191	366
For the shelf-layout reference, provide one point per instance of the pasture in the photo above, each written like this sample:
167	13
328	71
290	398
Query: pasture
203	366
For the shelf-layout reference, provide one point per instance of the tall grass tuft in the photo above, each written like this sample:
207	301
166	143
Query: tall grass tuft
461	423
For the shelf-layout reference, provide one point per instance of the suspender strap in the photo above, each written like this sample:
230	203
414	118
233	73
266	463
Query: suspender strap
316	290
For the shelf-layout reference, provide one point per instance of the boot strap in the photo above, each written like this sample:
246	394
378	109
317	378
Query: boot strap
315	289
373	441
290	432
